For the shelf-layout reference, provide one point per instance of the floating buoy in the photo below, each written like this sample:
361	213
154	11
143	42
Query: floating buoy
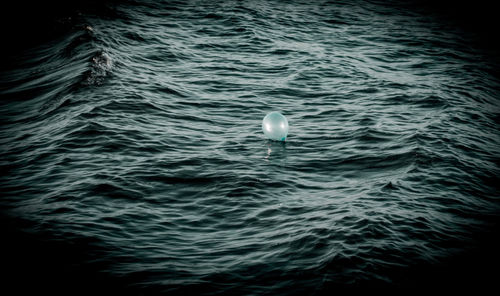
275	126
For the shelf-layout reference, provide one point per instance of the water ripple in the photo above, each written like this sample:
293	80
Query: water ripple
135	131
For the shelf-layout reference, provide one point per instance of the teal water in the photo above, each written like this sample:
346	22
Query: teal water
133	158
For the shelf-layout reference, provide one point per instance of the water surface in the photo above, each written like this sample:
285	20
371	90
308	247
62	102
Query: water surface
133	158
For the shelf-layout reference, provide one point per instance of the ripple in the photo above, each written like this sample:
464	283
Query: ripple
135	132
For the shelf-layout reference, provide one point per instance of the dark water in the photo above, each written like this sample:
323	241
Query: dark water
133	160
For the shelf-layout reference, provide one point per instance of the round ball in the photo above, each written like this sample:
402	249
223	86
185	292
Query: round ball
275	126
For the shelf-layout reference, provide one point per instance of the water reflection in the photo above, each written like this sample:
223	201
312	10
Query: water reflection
276	150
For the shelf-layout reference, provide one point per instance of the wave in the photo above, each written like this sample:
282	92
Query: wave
133	131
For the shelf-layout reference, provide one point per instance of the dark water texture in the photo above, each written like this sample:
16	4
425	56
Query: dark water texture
133	160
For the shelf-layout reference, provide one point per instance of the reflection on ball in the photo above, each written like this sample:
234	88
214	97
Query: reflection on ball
275	126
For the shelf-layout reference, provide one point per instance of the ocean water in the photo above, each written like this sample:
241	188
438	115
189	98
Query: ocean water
133	160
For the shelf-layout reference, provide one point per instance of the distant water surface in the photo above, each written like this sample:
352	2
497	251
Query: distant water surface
132	154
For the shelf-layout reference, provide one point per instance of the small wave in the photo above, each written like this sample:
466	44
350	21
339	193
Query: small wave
101	65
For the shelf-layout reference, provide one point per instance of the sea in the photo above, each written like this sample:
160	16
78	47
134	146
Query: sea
133	161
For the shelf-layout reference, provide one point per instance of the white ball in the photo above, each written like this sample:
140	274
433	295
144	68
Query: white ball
275	126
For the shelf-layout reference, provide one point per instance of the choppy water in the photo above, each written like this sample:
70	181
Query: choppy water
132	155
